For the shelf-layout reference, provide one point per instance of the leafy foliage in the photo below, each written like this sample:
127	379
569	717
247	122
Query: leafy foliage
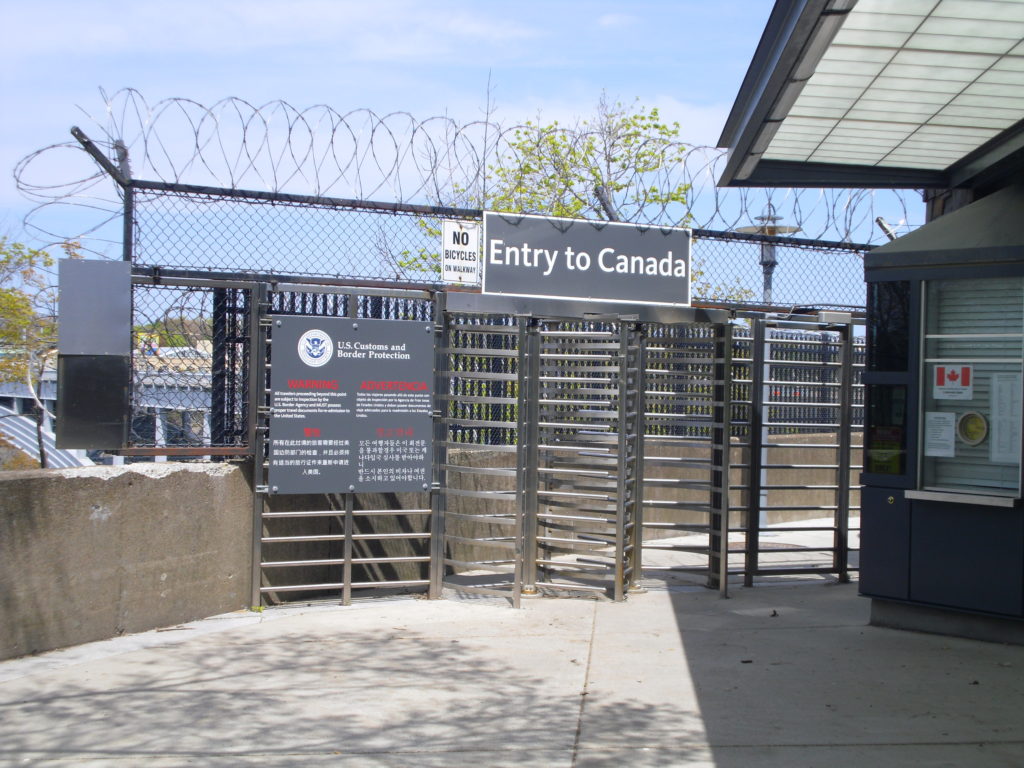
606	168
28	328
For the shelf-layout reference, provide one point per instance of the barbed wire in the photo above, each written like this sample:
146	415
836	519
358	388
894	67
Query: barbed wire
395	157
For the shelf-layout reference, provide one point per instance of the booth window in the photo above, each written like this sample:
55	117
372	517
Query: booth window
971	384
888	345
889	329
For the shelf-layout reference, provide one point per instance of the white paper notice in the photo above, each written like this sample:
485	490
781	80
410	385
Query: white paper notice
1004	440
939	434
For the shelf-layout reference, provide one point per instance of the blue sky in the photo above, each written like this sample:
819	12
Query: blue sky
553	57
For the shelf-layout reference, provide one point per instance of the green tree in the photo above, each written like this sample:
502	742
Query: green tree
608	167
28	320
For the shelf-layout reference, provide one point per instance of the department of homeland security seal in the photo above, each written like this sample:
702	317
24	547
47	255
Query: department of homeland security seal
315	348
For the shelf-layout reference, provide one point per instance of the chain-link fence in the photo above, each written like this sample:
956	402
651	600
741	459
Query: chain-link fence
190	362
197	253
320	238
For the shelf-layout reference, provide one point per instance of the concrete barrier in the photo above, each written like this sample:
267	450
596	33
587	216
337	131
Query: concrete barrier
88	554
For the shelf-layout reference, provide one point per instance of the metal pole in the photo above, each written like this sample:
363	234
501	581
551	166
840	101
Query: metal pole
718	576
439	481
758	438
841	549
622	486
257	426
346	577
128	231
768	264
639	426
528	454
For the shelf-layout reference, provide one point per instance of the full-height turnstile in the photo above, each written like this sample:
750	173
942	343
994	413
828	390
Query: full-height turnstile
544	425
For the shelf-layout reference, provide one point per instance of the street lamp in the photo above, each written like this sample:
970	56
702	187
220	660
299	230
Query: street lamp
768	226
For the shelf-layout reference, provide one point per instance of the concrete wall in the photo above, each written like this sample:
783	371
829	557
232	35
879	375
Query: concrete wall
88	554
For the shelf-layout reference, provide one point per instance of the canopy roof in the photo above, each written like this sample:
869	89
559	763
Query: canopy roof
882	93
990	230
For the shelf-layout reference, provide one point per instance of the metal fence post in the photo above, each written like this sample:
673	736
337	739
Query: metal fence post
639	427
527	455
721	442
438	500
841	548
623	495
257	426
758	438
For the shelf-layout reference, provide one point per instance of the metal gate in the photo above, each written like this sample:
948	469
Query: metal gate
482	408
572	456
585	457
798	426
688	384
585	419
548	425
795	405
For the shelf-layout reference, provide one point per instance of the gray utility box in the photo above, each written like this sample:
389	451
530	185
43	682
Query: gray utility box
94	354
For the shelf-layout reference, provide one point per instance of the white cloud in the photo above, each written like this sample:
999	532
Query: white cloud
616	20
356	30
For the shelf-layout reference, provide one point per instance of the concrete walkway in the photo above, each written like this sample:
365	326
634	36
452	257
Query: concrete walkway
778	675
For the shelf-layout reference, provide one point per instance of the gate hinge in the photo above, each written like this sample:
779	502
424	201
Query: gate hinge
262	489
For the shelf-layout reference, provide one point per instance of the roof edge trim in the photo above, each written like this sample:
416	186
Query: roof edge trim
796	37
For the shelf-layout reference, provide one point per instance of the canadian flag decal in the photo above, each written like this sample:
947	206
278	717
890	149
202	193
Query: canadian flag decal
961	375
953	382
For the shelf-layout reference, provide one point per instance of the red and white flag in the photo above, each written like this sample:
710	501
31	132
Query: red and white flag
953	382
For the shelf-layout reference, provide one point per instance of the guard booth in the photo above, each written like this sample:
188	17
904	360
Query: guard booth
942	518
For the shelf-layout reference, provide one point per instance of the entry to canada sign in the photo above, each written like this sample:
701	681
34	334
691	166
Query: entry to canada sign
351	404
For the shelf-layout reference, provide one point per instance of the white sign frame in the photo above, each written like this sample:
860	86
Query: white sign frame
460	252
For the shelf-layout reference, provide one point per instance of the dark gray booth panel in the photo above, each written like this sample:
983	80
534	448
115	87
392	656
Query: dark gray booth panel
885	544
967	556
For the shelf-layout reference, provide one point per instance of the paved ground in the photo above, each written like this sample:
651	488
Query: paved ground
779	675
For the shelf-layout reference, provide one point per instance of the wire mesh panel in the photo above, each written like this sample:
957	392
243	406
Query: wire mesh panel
190	358
777	271
235	233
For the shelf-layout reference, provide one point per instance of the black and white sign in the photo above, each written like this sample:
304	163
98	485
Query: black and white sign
547	257
460	252
351	405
